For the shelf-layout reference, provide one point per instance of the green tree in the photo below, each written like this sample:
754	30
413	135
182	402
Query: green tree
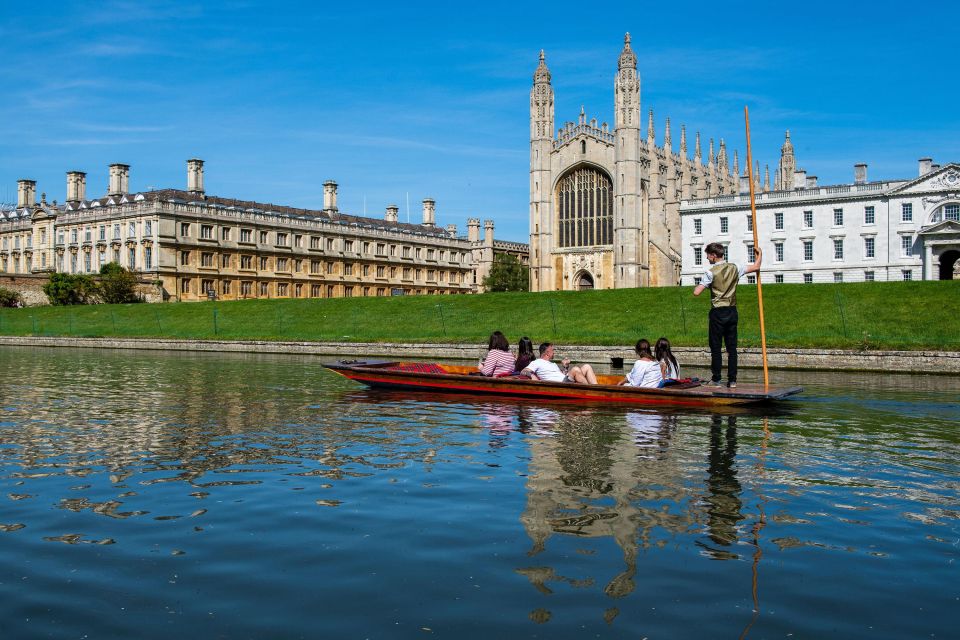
66	288
118	285
507	274
10	298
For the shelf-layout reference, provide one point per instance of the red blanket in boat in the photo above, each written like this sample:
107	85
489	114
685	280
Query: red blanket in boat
417	367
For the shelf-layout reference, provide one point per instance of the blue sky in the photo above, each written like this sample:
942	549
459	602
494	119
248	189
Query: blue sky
432	99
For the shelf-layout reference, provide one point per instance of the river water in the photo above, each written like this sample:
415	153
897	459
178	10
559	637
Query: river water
155	495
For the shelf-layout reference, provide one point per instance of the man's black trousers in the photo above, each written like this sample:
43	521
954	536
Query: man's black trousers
723	329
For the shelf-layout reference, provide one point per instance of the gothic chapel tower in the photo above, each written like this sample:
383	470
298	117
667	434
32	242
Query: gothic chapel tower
629	231
604	204
541	188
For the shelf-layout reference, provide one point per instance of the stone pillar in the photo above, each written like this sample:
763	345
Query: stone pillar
392	214
330	196
473	230
429	212
195	176
119	180
76	186
452	230
26	193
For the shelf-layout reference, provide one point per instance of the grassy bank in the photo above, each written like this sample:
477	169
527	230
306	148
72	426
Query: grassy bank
888	315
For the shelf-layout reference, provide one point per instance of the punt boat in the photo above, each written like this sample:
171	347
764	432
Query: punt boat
436	377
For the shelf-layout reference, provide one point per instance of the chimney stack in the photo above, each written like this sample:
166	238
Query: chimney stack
330	196
799	179
429	212
926	166
488	232
744	184
119	180
452	230
76	186
392	214
473	229
26	193
860	173
195	176
811	182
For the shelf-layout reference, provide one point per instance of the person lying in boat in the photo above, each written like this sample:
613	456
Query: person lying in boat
499	360
544	369
646	370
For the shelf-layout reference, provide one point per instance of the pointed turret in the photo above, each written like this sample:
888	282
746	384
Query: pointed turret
683	140
697	154
542	74
766	178
667	142
628	59
627	89
583	115
710	157
756	176
722	166
787	166
541	102
651	134
736	163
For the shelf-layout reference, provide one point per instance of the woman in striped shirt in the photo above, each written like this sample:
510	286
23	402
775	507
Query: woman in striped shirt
499	360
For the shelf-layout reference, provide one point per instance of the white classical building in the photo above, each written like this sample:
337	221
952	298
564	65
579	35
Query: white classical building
864	231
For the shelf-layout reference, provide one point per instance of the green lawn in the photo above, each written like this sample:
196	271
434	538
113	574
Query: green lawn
877	315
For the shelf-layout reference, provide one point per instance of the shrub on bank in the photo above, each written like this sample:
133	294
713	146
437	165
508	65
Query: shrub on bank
10	298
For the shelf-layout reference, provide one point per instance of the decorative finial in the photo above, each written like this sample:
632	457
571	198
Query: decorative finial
43	198
626	40
542	56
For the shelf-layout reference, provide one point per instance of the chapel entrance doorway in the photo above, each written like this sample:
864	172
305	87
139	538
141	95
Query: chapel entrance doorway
584	281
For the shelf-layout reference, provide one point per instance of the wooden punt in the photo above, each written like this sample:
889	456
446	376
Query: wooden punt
435	377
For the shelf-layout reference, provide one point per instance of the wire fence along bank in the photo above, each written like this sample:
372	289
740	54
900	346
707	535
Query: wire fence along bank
833	321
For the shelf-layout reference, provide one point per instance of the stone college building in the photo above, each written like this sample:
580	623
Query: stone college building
195	246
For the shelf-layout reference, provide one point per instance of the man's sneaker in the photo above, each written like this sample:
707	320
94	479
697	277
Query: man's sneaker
731	385
712	383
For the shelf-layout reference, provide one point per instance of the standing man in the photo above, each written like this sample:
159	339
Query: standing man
722	278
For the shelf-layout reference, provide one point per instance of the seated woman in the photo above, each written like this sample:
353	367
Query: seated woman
524	354
646	371
499	360
669	367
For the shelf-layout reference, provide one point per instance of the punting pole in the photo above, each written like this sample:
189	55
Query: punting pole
753	213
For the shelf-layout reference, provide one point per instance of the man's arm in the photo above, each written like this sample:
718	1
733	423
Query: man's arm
698	289
757	259
527	372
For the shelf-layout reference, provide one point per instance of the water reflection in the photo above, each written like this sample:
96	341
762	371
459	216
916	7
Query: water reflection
564	512
723	504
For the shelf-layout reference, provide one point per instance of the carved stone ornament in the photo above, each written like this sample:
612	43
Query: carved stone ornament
929	200
947	180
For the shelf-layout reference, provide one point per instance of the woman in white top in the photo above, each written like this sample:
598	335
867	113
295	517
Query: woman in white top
646	371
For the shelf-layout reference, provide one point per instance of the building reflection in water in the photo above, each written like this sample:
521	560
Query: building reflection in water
600	476
607	474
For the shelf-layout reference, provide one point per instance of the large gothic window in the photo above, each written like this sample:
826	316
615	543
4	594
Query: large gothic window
585	208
